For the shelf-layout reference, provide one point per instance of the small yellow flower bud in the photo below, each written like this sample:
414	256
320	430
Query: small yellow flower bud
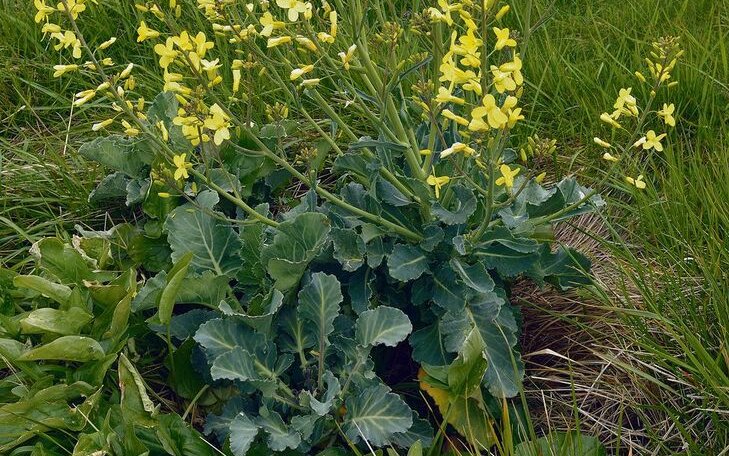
310	82
273	42
602	143
609	157
502	12
640	76
107	43
296	73
103	124
540	178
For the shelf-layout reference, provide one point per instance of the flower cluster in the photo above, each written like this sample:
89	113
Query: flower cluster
664	58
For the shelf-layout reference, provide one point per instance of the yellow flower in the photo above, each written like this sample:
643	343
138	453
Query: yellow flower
63	69
609	157
211	68
495	117
167	53
637	182
181	166
448	114
502	39
273	42
218	121
458	147
270	24
438	183
43	10
66	40
107	43
294	7
103	124
601	143
507	176
73	6
651	141
306	42
502	80
667	114
445	96
145	33
296	73
444	14
347	57
626	103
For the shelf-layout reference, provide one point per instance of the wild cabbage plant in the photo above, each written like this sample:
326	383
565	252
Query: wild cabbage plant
414	212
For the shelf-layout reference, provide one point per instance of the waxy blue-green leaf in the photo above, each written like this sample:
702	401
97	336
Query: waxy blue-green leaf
349	248
120	153
375	415
324	406
319	302
222	335
474	276
239	364
463	205
66	348
296	243
427	344
243	432
382	326
261	310
407	262
214	243
280	436
566	268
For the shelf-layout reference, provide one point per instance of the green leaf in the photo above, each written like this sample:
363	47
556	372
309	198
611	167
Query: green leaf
566	268
135	401
319	304
349	248
261	311
382	326
239	364
375	415
324	406
220	336
474	276
61	260
174	281
243	432
179	439
407	262
571	443
428	346
118	153
47	320
66	348
280	436
296	243
463	205
214	244
55	291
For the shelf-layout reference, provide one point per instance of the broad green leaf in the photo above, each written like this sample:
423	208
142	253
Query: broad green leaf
47	320
407	262
571	443
359	289
319	305
135	401
243	432
111	187
375	414
118	153
261	311
177	274
382	325
62	261
448	292
66	348
324	406
179	439
214	243
463	205
55	291
428	346
349	248
507	261
296	243
474	276
566	268
239	364
220	335
280	436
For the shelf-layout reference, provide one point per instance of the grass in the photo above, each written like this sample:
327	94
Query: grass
666	313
